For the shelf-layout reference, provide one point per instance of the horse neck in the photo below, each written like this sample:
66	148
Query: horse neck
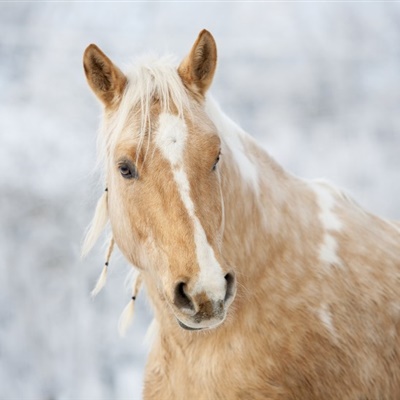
256	192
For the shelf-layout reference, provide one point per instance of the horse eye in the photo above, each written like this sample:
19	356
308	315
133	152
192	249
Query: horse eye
128	171
216	162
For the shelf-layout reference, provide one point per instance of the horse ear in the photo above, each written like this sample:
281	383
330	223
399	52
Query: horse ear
198	68
106	80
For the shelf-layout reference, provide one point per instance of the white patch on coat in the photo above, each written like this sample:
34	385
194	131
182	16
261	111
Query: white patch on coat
330	223
233	136
326	202
328	251
171	139
246	167
325	316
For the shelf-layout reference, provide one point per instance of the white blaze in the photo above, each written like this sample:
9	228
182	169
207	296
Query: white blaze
171	141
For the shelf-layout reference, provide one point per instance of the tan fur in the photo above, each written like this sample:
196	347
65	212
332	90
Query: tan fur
300	327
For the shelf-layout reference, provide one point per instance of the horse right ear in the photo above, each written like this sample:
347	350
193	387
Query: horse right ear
106	80
198	68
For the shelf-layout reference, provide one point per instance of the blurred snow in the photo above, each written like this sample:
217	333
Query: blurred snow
317	83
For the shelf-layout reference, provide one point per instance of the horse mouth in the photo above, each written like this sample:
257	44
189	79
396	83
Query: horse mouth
188	328
191	328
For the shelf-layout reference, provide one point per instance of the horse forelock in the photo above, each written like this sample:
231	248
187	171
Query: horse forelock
149	81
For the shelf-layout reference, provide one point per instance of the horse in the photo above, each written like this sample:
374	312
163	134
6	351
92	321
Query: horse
264	285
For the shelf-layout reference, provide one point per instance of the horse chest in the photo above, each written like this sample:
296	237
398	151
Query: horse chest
206	373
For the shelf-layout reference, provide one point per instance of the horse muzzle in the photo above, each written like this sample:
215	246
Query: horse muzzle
203	309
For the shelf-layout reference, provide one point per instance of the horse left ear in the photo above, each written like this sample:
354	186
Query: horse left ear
106	80
198	68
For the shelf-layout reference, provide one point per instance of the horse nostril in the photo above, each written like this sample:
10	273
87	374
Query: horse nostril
181	299
230	286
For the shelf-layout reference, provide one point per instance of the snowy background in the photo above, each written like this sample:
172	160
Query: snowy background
317	83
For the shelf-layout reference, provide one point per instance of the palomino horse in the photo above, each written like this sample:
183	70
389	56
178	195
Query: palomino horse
264	285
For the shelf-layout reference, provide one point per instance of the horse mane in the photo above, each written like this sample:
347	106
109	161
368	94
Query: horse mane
151	79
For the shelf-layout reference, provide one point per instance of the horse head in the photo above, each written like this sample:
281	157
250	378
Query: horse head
163	172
